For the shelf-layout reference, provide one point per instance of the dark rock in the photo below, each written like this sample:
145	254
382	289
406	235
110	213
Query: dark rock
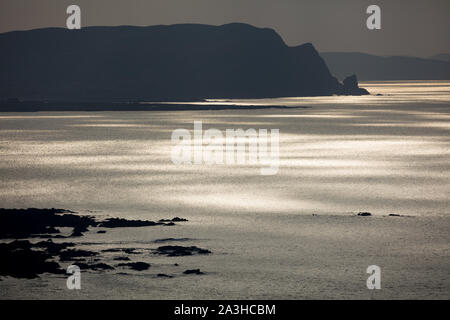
78	260
351	87
18	260
123	223
351	82
46	236
43	223
364	214
171	240
21	258
113	250
176	251
130	251
26	223
82	265
95	266
76	234
193	271
138	266
102	266
78	231
69	255
53	248
122	259
19	244
163	275
81	228
125	250
176	219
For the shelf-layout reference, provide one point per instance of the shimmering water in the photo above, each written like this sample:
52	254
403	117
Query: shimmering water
379	153
341	155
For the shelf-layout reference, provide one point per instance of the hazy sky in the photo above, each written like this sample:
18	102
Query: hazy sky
409	27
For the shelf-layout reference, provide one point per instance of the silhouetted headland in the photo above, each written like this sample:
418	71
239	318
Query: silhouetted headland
186	62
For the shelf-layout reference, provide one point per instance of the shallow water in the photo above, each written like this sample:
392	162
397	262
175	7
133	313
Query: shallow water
341	155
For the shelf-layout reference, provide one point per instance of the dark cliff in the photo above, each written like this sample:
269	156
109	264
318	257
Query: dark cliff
178	62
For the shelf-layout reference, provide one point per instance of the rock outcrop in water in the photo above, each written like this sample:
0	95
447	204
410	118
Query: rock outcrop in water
178	251
351	86
19	260
178	62
26	259
44	223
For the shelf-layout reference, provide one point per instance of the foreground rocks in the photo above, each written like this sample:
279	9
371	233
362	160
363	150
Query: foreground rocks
73	254
123	223
94	266
177	251
25	259
28	223
176	219
45	223
193	271
138	266
20	261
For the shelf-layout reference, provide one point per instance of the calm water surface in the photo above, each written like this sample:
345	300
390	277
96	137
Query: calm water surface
341	155
385	154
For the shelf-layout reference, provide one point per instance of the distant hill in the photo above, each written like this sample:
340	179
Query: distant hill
370	67
442	57
178	62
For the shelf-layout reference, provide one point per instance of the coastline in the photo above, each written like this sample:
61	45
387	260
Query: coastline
295	235
326	259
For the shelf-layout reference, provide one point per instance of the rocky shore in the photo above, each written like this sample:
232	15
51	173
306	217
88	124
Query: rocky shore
25	257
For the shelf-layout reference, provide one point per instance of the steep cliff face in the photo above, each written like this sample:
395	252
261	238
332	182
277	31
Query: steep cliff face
179	62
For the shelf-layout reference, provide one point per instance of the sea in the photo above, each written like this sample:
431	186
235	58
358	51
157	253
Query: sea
291	235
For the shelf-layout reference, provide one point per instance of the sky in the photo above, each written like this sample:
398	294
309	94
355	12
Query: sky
409	27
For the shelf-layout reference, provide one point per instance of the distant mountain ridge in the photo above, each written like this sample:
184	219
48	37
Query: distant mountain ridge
370	67
441	56
177	62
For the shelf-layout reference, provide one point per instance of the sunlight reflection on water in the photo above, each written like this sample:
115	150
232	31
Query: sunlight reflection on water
341	155
381	153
